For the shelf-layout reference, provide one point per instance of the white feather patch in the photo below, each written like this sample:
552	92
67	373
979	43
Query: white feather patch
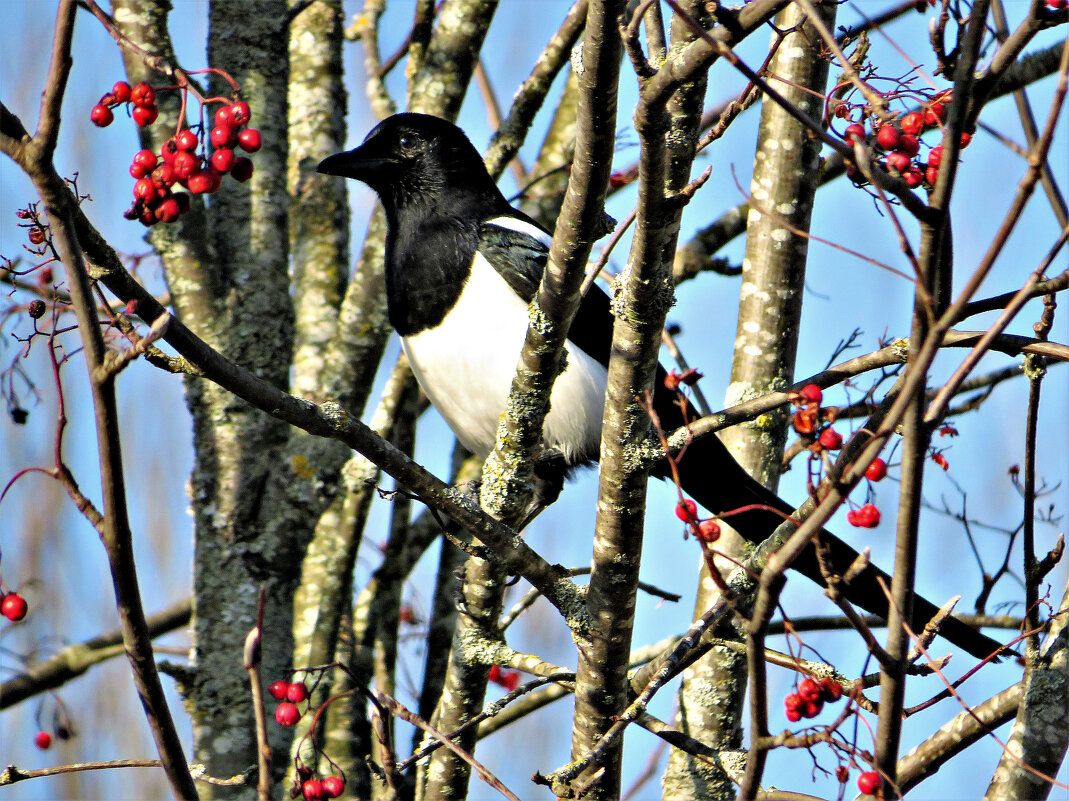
524	227
466	366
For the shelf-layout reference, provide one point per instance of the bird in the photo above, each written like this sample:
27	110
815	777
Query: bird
462	266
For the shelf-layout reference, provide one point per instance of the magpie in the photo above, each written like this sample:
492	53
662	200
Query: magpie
462	266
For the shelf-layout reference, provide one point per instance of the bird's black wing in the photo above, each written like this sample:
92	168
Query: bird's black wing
518	257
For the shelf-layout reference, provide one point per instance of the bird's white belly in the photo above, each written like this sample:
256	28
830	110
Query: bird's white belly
466	366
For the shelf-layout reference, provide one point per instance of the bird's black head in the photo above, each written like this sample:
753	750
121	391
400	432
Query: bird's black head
415	159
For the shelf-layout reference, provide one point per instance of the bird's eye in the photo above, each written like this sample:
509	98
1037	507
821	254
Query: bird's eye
407	144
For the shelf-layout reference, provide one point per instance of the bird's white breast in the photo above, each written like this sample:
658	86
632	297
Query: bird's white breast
466	366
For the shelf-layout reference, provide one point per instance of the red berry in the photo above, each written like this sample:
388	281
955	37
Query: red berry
169	151
333	786
167	211
931	175
868	782
495	674
240	113
809	690
935	156
223	159
913	177
144	189
242	169
249	140
830	690
185	164
287	714
810	709
855	131
120	92
222	116
143	95
101	116
708	531
913	123
935	114
223	136
793	715
792	702
277	689
965	139
145	115
871	515
146	159
199	184
46	276
510	679
853	519
137	172
1057	5
43	740
830	439
296	692
888	137
186	140
687	511
14	607
164	175
312	790
898	161
876	471
909	145
812	393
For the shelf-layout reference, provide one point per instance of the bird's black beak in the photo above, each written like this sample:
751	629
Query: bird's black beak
355	164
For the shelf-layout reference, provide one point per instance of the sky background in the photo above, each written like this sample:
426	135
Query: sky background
54	557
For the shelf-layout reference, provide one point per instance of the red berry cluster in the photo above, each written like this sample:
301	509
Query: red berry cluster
142	97
13	607
868	782
509	679
901	139
319	789
810	698
706	531
867	516
184	158
810	416
1056	5
290	694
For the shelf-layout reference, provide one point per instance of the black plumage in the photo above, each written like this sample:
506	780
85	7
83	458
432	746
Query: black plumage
462	266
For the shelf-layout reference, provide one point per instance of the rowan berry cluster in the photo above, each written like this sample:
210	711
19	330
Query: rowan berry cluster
810	697
509	679
810	416
313	789
287	713
900	140
867	516
184	160
706	531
